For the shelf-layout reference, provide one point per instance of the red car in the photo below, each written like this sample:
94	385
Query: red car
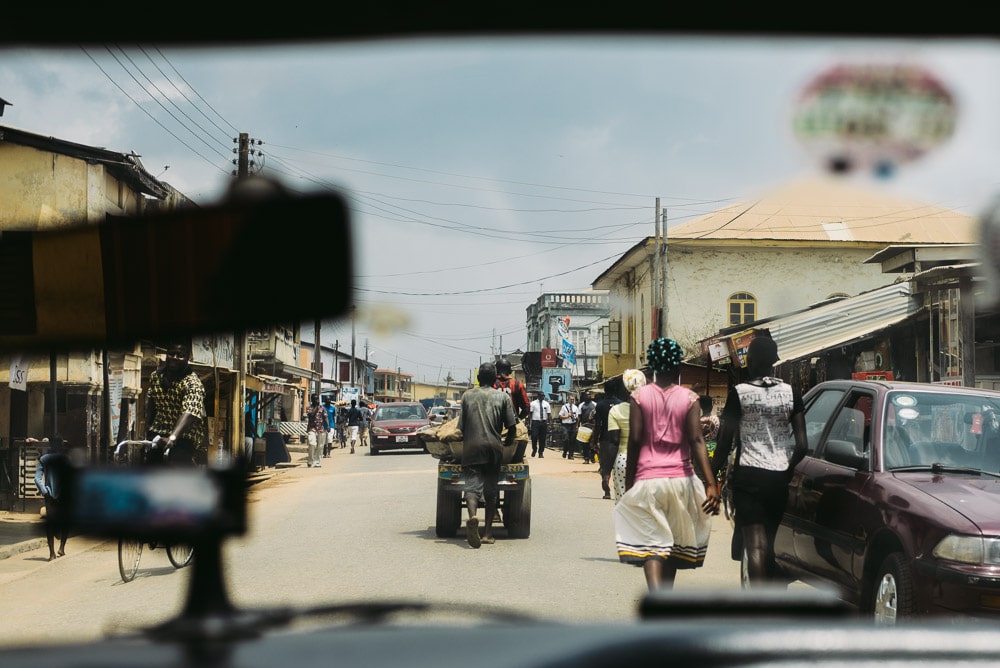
897	504
395	425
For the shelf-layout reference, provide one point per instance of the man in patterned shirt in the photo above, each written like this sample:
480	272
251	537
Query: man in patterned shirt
175	407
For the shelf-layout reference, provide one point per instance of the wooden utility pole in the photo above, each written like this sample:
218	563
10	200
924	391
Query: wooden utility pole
243	156
317	357
664	310
657	276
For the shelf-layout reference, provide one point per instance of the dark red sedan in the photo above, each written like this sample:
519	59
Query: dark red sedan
395	426
897	504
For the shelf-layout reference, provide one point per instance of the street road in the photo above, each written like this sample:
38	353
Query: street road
361	528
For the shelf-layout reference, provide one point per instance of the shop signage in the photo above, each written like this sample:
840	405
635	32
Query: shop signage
739	345
718	350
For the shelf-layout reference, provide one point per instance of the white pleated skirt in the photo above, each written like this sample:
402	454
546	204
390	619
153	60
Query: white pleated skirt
662	518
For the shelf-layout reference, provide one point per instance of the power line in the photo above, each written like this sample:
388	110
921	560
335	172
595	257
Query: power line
501	287
143	109
192	89
165	96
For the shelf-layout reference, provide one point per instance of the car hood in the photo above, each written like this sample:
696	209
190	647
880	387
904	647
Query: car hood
399	424
976	498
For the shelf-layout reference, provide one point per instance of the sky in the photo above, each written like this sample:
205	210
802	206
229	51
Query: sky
481	174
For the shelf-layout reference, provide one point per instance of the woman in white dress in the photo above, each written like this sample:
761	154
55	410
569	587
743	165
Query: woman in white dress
618	428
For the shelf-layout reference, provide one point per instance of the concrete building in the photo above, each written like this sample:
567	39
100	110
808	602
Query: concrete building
799	245
584	315
48	183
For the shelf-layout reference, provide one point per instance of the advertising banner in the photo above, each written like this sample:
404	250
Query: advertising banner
568	354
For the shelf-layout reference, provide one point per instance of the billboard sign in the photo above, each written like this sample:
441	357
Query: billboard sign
556	380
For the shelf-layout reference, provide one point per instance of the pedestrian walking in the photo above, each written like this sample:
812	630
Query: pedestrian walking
587	408
518	394
569	418
354	420
541	413
663	520
317	426
331	418
485	414
604	446
763	418
50	480
364	429
618	429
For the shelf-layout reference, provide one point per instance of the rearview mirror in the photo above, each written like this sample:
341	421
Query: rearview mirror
179	505
184	272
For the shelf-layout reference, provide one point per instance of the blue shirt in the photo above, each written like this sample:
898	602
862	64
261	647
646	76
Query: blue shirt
46	479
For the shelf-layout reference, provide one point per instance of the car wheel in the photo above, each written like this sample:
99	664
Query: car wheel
892	591
373	450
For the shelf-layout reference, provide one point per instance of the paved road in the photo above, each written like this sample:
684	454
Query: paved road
361	528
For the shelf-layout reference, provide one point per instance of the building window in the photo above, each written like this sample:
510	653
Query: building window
612	337
742	308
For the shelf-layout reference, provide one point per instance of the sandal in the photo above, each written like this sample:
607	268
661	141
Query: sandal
472	532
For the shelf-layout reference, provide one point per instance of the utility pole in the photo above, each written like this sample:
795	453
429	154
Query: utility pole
663	280
243	156
657	276
366	362
317	358
240	346
354	358
336	366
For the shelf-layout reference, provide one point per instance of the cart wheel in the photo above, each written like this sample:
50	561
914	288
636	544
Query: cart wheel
517	514
449	512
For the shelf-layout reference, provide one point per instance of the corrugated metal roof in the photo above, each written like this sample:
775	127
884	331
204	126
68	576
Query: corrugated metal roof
810	332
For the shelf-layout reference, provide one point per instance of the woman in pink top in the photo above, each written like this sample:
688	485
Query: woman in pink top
663	521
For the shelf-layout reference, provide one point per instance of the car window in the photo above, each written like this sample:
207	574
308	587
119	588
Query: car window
925	428
851	425
818	414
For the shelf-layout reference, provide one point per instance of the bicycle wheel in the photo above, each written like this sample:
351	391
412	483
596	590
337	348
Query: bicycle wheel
129	553
180	555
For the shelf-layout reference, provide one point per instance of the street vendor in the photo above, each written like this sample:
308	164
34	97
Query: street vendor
485	414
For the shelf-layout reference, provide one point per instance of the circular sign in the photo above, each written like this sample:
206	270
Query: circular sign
873	117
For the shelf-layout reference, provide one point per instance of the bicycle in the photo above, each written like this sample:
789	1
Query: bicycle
140	453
